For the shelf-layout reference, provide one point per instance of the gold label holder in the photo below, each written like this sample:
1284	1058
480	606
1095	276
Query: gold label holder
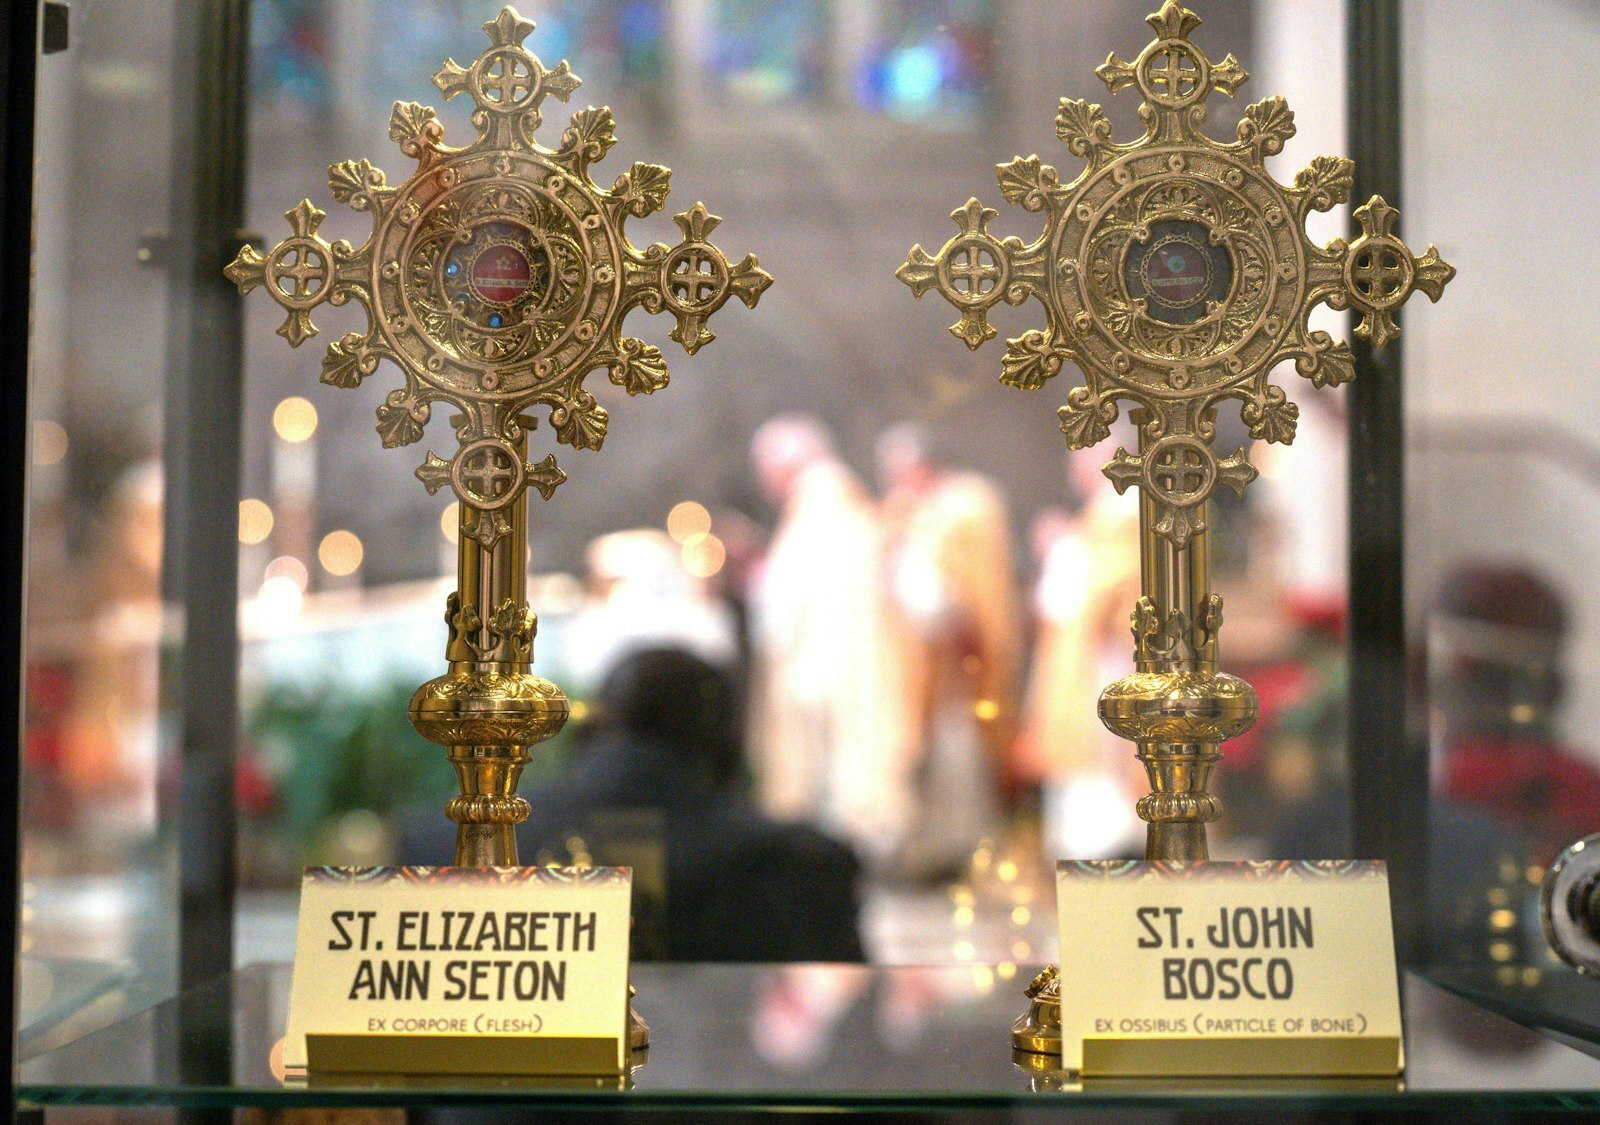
1286	1057
494	1055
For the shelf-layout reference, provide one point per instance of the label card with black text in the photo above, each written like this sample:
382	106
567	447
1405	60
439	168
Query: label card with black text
461	970
1227	969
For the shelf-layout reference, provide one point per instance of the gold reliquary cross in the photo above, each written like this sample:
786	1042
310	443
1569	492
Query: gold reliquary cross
1175	274
496	278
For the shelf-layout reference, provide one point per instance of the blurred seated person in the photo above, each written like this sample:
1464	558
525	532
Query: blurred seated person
665	738
1496	683
1508	796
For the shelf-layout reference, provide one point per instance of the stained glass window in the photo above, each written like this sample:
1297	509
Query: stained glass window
620	42
928	59
614	45
289	63
765	51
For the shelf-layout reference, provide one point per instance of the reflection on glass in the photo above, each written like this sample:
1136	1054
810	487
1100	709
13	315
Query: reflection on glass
1502	498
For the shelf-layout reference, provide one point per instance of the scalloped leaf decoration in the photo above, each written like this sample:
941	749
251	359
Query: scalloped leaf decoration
643	188
1328	179
355	181
348	361
1330	363
397	425
1030	360
1266	125
1027	182
414	127
1084	427
1084	127
640	368
581	424
590	134
1274	420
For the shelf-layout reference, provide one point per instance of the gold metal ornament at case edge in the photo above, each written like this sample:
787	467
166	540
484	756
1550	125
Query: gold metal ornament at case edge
1037	1032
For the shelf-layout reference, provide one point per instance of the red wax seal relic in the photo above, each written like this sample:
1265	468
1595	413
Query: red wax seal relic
501	273
1177	273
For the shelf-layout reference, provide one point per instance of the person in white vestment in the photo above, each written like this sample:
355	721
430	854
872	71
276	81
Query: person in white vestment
1088	584
828	741
951	590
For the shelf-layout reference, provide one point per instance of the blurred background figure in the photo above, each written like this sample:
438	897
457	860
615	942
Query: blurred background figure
950	589
637	595
829	729
665	739
1496	682
109	764
1088	584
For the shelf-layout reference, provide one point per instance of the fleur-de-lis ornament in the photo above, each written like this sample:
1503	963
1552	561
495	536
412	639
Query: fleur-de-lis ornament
1175	274
497	277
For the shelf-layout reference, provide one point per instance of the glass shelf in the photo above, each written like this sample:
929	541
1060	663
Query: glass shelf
800	1036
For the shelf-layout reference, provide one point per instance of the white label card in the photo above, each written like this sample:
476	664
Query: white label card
1227	968
461	970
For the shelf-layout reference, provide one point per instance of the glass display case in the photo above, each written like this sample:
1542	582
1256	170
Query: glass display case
227	588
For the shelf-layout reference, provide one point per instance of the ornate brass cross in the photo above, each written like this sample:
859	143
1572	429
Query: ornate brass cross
1175	273
497	278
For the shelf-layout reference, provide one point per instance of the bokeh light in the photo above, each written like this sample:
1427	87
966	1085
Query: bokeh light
340	553
914	75
703	555
687	520
49	441
450	521
287	567
255	521
295	419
